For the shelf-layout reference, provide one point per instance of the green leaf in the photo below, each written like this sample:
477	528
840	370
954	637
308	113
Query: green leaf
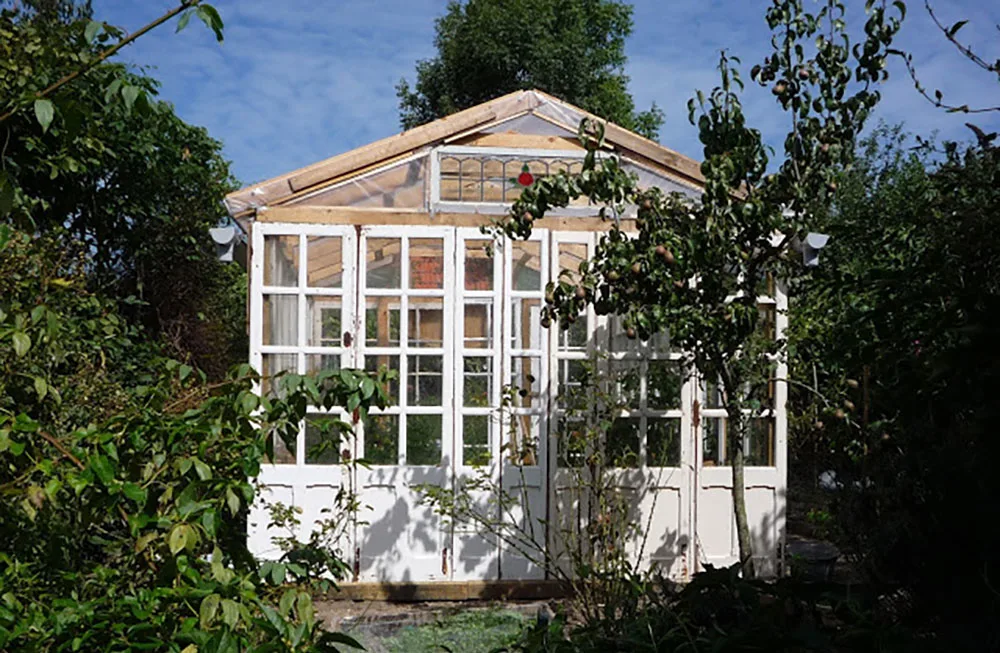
249	401
41	387
184	372
209	519
90	32
367	387
210	16
129	94
22	343
103	469
203	471
953	30
45	111
135	493
278	574
340	638
304	608
185	19
230	612
178	538
209	608
232	501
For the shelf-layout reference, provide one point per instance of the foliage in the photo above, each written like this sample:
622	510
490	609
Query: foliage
103	159
125	478
900	324
573	49
695	267
720	611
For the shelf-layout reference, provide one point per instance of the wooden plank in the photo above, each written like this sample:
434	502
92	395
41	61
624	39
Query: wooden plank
510	590
402	217
521	141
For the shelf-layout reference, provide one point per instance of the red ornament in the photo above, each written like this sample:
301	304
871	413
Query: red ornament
525	178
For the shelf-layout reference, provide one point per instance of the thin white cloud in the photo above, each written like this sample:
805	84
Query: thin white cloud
301	80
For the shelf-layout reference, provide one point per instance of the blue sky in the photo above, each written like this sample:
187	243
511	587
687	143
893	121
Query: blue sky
297	81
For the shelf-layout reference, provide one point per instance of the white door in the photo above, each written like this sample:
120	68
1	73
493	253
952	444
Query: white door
301	305
477	341
405	311
646	448
766	465
524	422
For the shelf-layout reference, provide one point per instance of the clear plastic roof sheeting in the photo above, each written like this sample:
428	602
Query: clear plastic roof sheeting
403	185
383	180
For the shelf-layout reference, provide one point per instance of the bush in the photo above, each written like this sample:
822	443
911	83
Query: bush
125	479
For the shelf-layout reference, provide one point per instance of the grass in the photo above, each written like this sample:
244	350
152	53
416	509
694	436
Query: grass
474	631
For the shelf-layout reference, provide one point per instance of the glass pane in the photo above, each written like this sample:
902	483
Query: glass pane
381	439
383	261
476	440
478	325
426	263
627	377
572	375
663	385
426	324
272	365
760	448
322	440
478	385
479	265
424	387
663	442
526	324
382	322
575	337
623	442
281	320
316	363
526	257
522	449
713	441
423	440
374	362
571	255
325	261
324	319
525	379
281	261
400	186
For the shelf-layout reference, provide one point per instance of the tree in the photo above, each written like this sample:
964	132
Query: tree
103	158
695	267
900	326
966	50
573	49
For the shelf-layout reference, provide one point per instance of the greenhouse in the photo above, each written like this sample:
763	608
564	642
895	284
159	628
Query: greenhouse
375	258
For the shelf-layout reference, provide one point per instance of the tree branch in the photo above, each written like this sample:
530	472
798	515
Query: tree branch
109	52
